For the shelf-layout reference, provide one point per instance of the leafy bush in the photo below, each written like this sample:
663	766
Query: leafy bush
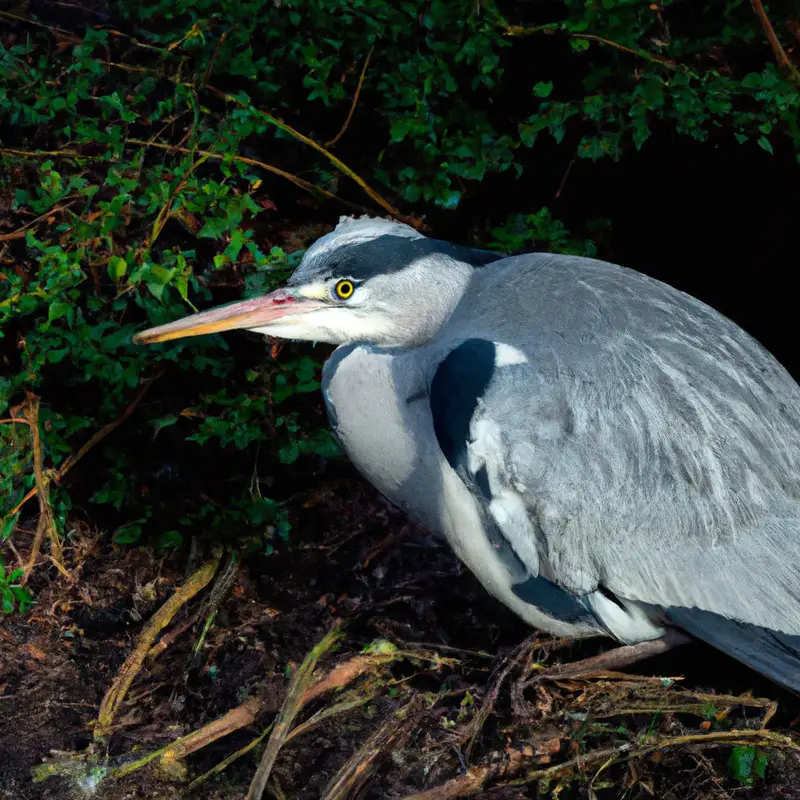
150	164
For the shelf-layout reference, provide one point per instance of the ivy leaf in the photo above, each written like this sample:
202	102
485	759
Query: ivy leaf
543	89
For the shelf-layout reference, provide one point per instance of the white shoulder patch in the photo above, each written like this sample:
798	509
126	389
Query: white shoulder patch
487	450
505	355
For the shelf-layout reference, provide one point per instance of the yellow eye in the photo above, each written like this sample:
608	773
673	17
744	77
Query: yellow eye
344	289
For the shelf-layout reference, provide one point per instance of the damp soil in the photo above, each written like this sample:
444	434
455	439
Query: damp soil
355	560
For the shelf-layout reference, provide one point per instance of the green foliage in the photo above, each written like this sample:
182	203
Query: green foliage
12	595
746	763
137	184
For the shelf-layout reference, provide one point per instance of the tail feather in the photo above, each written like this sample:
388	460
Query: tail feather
774	654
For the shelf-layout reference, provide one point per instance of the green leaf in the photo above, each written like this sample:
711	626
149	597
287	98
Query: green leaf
23	597
168	539
6	600
7	527
543	89
58	309
128	534
765	144
117	268
746	763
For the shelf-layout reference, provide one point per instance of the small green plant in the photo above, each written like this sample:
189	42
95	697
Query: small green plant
146	167
746	763
12	594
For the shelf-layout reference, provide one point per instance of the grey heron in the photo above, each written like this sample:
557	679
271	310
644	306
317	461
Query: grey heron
608	455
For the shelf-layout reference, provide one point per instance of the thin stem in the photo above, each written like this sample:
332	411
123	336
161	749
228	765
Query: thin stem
353	105
784	62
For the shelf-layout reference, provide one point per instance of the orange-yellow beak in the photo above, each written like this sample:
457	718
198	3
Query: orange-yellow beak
257	312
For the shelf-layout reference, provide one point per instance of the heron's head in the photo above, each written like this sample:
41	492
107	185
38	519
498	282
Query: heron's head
369	280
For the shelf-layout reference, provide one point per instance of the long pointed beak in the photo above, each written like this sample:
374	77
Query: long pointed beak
256	312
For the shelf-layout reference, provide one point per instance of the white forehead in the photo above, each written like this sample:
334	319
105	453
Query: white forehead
356	230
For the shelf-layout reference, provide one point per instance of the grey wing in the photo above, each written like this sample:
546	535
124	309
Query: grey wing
647	484
470	396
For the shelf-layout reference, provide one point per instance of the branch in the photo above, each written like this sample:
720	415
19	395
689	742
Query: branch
519	30
338	163
291	706
46	524
474	781
784	62
303	184
339	135
93	440
130	669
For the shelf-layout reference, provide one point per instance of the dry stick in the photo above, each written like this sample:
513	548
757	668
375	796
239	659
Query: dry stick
291	705
165	211
220	588
328	712
303	184
353	105
45	524
491	697
168	638
520	30
235	719
95	439
13	151
305	727
340	676
612	659
473	782
19	233
116	693
784	62
51	28
225	763
210	67
358	770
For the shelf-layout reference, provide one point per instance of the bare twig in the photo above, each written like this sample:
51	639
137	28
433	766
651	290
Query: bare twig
476	778
225	763
353	105
130	669
479	720
46	524
521	30
175	751
95	439
317	719
218	591
613	659
784	62
291	706
352	778
19	233
210	67
166	210
328	712
302	184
